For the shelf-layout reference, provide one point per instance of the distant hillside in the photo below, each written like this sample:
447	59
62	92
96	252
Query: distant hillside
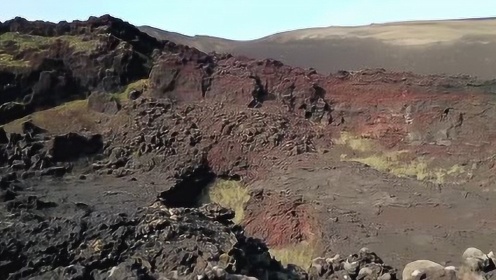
451	46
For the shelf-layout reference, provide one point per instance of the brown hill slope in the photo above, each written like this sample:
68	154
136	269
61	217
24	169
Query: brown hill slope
426	47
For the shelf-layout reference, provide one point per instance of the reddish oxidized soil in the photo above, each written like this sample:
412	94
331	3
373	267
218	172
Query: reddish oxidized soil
279	219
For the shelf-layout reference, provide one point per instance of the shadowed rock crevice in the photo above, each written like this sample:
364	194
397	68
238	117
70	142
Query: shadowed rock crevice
188	191
72	146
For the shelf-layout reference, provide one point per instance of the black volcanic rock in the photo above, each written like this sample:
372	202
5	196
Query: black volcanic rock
152	243
125	31
3	136
48	64
72	145
12	110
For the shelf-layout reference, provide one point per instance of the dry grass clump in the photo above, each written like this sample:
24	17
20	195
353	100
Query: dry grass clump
399	163
355	143
230	194
73	114
300	254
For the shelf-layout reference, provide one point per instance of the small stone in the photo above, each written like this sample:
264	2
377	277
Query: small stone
134	94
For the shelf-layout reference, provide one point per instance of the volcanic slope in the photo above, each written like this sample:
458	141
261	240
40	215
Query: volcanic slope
319	164
426	47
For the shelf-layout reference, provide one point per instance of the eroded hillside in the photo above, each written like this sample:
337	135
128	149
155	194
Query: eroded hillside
121	149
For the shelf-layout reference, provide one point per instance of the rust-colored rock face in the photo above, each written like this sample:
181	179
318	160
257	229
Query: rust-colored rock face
398	110
279	219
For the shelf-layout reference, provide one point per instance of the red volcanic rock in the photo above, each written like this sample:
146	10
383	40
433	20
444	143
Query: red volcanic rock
396	108
279	219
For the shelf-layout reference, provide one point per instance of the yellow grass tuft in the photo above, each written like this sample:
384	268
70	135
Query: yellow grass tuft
230	194
417	168
141	85
390	162
58	119
355	143
9	61
300	254
398	163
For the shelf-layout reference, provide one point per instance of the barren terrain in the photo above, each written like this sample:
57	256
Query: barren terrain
119	153
426	47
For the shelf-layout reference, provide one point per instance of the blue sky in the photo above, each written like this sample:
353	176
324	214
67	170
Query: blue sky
247	19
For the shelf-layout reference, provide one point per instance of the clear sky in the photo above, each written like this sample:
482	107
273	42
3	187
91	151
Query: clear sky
247	19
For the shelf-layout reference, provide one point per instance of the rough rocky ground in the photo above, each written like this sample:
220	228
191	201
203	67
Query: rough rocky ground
397	162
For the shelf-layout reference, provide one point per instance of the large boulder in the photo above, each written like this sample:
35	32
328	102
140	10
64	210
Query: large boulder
475	260
425	269
485	259
72	146
53	87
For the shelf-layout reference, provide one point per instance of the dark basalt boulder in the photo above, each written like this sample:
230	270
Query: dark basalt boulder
72	146
52	88
28	127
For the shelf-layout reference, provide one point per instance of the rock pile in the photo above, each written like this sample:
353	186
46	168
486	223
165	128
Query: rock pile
154	243
34	153
364	265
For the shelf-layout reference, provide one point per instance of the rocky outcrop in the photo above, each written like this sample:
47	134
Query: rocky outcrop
35	152
363	265
51	63
177	141
106	23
